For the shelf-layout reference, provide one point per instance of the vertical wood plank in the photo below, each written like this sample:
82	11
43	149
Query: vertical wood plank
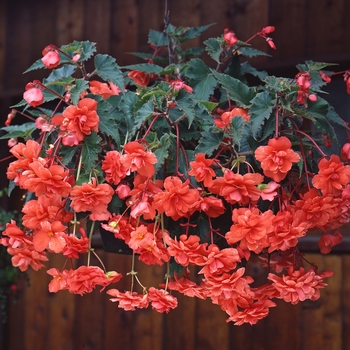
36	318
69	21
97	24
248	18
118	323
324	39
289	47
60	310
345	292
124	28
147	331
3	20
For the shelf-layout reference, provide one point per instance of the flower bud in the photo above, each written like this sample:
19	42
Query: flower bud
345	152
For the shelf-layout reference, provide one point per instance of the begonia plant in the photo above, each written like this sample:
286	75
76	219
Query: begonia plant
192	159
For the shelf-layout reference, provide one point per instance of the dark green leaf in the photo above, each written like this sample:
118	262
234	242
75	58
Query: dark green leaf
214	48
251	52
157	38
163	151
80	86
191	33
240	93
67	154
23	130
142	114
108	70
186	104
36	65
261	109
65	71
209	142
202	80
147	68
85	48
278	84
236	130
107	124
246	68
126	105
90	151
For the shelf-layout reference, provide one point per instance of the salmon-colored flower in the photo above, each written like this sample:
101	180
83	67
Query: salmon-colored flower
51	58
85	279
113	168
315	209
212	206
51	236
224	119
252	314
277	158
186	250
230	38
299	285
327	241
345	152
92	197
178	84
218	261
136	158
201	169
140	78
76	245
177	200
25	154
59	281
251	228
120	226
287	230
103	89
44	208
187	287
33	94
237	188
46	180
27	256
333	176
161	300
81	119
129	301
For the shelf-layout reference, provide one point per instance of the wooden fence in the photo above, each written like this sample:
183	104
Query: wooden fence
41	320
313	29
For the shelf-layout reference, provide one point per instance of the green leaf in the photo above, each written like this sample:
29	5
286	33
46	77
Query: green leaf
251	52
261	109
67	154
23	130
85	48
65	71
142	114
49	96
163	151
314	66
278	84
236	130
107	124
209	142
108	70
36	65
191	33
214	48
126	105
90	151
147	68
157	38
246	68
202	80
185	104
209	105
240	93
80	86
